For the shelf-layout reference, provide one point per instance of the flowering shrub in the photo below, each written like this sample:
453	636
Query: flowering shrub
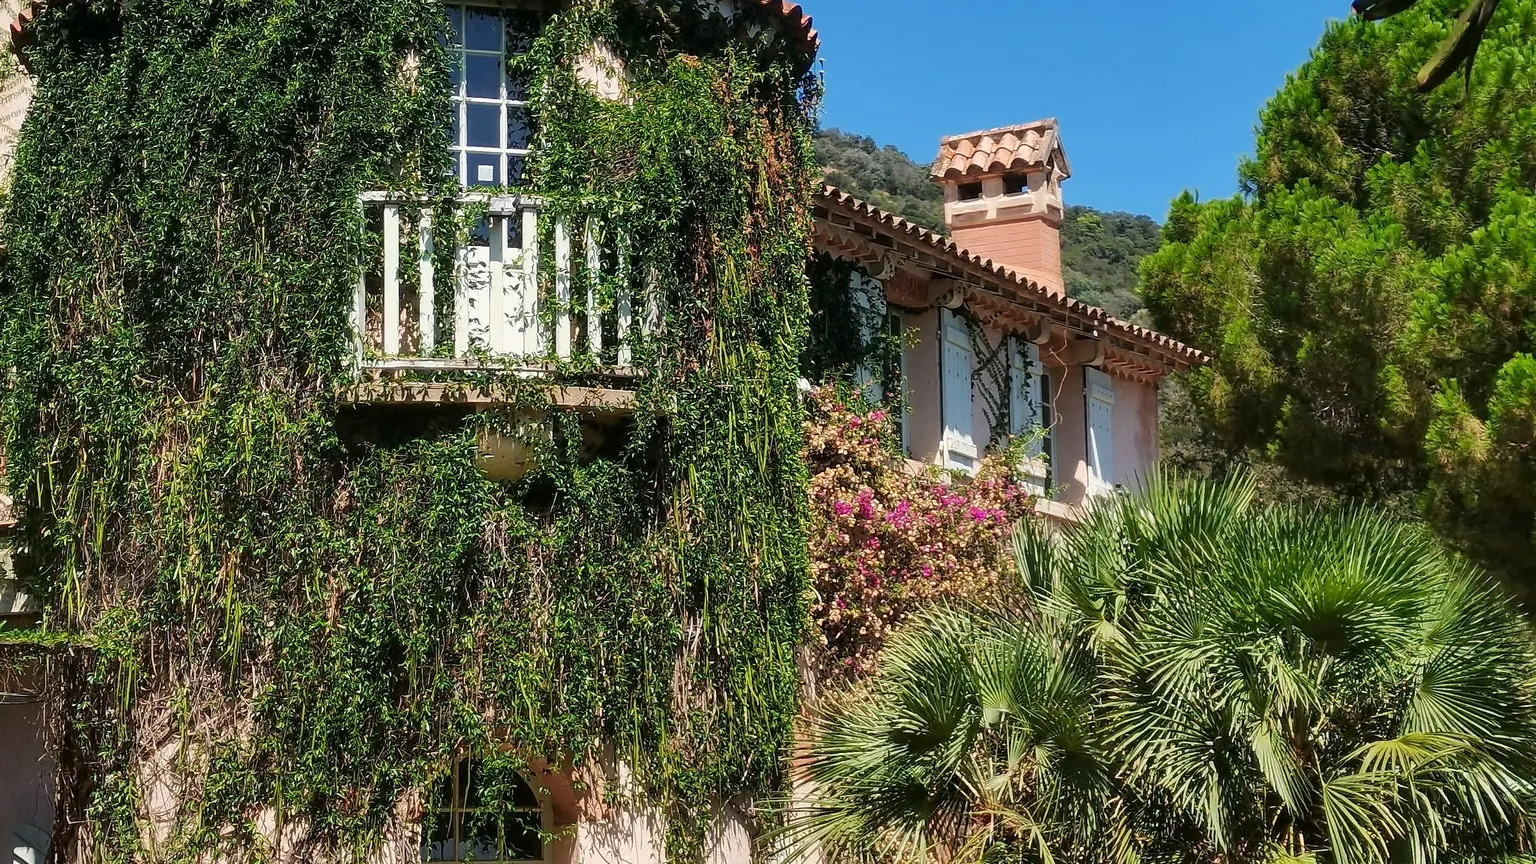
884	542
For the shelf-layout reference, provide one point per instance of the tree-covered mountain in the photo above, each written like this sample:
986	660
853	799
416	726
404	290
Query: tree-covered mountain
883	176
1100	251
1100	254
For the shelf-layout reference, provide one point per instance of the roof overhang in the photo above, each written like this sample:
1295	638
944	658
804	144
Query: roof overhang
883	242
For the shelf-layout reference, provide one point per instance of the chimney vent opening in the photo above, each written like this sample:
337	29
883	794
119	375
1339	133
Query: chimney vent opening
970	191
1016	184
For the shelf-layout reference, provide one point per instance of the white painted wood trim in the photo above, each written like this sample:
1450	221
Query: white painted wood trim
533	341
562	290
461	302
625	312
427	298
391	280
360	317
594	275
652	323
496	309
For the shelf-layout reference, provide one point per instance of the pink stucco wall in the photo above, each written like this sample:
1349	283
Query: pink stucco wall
1136	440
1069	436
1135	415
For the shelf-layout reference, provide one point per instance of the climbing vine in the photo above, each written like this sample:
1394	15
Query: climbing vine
287	614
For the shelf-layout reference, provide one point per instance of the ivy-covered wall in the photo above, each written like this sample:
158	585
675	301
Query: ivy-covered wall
314	607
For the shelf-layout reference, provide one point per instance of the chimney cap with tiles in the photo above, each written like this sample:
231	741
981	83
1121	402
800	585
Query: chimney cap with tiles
1002	197
997	151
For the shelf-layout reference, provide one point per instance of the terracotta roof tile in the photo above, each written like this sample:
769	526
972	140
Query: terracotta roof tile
17	33
1010	148
1184	354
798	22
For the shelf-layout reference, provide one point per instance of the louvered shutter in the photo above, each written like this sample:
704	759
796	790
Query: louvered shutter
1101	425
955	362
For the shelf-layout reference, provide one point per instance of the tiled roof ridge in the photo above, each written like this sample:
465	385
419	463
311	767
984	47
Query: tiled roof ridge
1042	123
798	21
1006	148
1014	277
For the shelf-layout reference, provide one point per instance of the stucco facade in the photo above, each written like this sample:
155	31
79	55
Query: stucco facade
15	92
1032	361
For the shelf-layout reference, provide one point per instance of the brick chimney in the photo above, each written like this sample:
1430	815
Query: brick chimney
1002	197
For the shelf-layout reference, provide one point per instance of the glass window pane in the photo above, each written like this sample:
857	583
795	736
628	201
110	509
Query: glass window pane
482	29
482	73
456	24
456	129
482	125
456	72
519	129
484	169
437	838
517	85
519	840
517	168
523	26
523	842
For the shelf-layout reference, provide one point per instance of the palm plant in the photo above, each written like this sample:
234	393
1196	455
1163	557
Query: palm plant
1195	678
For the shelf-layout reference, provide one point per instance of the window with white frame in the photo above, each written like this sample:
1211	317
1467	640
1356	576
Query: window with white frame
492	124
869	306
461	828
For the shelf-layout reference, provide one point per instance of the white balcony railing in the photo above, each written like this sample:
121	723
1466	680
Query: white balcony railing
508	309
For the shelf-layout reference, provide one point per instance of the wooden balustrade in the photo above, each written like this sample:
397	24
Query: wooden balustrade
507	309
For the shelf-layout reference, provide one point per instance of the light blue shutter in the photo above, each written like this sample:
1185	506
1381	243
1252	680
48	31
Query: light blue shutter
959	442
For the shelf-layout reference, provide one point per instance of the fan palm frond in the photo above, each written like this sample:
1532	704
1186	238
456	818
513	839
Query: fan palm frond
1196	678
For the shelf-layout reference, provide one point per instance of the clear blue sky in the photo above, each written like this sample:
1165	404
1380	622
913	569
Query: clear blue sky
1154	96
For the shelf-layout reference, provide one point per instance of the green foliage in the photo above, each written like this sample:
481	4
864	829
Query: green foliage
323	605
1459	50
1194	677
1100	254
1367	303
